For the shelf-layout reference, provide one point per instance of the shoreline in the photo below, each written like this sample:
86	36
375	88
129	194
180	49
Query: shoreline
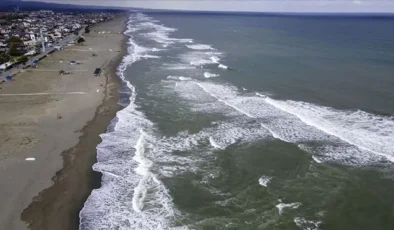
59	204
77	176
76	179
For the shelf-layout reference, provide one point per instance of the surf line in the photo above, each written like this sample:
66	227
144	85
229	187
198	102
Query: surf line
325	130
144	164
241	111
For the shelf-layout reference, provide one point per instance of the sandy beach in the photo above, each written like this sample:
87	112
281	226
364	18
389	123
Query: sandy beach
49	129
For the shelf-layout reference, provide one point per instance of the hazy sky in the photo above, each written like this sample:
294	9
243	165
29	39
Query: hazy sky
386	6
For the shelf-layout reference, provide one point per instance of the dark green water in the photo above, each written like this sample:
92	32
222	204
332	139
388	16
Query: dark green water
297	132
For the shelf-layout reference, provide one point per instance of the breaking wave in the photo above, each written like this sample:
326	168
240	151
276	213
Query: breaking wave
200	47
349	137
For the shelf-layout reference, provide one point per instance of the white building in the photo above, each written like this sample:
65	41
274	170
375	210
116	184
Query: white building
32	36
5	66
31	53
30	43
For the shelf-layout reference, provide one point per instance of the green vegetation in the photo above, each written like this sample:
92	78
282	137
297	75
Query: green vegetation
14	50
80	40
15	40
23	59
8	18
4	58
87	30
15	43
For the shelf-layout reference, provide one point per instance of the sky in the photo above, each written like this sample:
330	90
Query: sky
301	6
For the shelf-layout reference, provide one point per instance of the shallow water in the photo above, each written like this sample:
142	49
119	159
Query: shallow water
250	123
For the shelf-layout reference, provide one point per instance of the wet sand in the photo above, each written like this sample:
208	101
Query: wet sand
57	121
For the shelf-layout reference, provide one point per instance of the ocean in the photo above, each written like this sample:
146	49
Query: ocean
250	122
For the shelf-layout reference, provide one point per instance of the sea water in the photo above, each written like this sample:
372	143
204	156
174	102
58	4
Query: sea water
250	122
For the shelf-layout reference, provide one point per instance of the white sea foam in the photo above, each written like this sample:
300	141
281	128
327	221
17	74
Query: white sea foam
148	56
316	159
199	58
200	62
162	36
200	47
184	78
304	224
222	66
157	32
180	78
282	206
178	66
264	180
210	75
157	50
215	59
214	144
124	159
260	95
368	132
330	130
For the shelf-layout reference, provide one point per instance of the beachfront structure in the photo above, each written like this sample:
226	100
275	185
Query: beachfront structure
42	27
5	66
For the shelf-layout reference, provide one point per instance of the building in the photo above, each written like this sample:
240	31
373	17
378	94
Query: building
5	66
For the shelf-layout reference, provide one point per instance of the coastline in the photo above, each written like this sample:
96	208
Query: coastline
58	205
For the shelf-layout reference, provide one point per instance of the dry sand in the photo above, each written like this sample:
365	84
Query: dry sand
57	121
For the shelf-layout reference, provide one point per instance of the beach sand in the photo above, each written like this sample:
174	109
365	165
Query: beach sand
56	120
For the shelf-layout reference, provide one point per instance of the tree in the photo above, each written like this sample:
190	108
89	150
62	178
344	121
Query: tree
87	30
4	58
23	59
15	43
13	50
80	40
15	40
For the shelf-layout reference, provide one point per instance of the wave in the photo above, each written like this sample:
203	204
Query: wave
134	156
210	75
305	224
215	59
282	206
155	31
200	47
214	143
199	58
368	132
180	78
264	180
223	66
161	34
200	62
349	137
124	159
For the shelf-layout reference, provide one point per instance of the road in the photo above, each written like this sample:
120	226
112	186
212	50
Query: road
19	67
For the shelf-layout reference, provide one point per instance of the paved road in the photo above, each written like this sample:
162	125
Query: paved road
19	67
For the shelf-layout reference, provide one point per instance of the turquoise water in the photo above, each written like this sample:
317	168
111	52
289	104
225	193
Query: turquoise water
250	122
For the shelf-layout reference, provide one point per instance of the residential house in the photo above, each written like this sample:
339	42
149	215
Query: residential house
5	30
30	43
5	66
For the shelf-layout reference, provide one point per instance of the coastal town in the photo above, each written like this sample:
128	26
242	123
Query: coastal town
26	36
58	93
